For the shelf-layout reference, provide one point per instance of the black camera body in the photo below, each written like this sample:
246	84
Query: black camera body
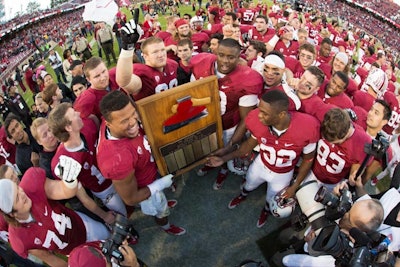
336	206
121	230
377	148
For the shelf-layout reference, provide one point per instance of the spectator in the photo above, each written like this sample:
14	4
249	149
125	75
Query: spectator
55	62
78	85
68	59
27	152
106	40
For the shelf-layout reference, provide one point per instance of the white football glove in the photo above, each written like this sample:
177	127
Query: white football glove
68	170
160	184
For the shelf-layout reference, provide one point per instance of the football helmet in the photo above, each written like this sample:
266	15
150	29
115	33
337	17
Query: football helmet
378	81
282	207
239	166
196	23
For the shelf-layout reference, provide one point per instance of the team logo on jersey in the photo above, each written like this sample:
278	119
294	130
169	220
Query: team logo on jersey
157	78
37	241
263	140
86	166
139	150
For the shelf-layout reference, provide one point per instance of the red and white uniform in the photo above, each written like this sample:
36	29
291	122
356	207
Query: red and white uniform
198	40
334	161
313	30
255	35
128	155
315	107
89	101
279	154
363	99
342	100
90	176
154	81
247	15
394	121
291	50
54	228
294	101
294	66
234	91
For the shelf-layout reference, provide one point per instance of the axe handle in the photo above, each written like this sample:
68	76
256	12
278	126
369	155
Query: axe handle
190	167
195	101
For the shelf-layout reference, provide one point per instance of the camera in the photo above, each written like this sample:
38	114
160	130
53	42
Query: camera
336	206
121	230
377	147
314	211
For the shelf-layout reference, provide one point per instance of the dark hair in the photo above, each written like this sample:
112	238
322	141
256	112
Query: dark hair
387	111
343	76
262	17
78	80
218	36
371	49
184	42
258	46
65	53
336	124
10	117
186	14
231	14
326	40
3	169
57	121
113	101
277	99
232	43
318	73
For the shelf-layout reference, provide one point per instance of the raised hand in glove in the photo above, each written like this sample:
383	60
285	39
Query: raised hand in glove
68	170
130	34
160	184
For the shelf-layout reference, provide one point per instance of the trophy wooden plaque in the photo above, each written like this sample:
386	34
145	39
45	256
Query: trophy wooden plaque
183	124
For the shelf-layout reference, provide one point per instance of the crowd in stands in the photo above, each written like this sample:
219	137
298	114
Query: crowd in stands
295	85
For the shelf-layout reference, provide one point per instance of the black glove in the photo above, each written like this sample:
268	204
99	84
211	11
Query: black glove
130	34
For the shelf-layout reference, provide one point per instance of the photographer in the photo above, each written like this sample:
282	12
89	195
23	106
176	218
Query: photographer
90	254
365	214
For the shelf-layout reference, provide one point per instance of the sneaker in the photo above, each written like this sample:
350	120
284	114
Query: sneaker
172	203
374	181
220	180
203	171
236	201
263	218
175	230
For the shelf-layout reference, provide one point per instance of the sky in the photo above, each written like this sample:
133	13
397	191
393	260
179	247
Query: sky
13	6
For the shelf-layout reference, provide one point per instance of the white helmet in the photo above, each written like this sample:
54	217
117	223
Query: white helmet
282	207
196	23
239	166
378	81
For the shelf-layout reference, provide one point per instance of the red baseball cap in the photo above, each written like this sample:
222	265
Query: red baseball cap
180	22
88	254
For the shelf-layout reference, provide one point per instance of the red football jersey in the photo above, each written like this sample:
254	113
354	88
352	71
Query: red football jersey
315	107
288	51
363	99
334	161
255	35
128	154
154	81
199	39
89	101
295	67
394	120
247	15
231	87
55	227
281	154
90	176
